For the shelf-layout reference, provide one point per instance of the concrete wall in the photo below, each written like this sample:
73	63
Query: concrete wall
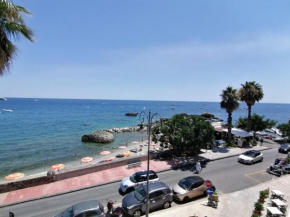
66	174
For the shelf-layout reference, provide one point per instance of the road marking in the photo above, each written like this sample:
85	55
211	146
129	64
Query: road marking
248	175
255	172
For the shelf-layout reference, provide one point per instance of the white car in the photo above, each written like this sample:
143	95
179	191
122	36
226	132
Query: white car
251	157
140	178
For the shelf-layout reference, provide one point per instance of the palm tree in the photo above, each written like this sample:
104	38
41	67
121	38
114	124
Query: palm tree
13	26
250	93
230	102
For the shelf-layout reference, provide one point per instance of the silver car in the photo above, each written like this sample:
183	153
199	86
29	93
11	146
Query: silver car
91	208
251	157
160	196
128	184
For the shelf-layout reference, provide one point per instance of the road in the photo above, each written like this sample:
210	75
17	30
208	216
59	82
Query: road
227	175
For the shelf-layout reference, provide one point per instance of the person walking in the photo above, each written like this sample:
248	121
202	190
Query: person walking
262	140
198	167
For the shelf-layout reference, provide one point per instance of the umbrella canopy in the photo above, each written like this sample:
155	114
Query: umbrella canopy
134	142
127	153
110	158
14	176
122	147
57	167
105	152
87	159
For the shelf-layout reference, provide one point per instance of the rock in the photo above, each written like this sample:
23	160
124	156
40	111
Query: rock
132	114
99	137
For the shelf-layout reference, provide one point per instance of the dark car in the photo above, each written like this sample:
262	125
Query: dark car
91	208
285	148
160	196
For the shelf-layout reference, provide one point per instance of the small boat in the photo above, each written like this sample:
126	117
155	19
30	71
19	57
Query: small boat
172	108
86	124
7	110
165	108
87	106
2	98
144	108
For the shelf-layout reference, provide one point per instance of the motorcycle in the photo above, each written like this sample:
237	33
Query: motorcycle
278	168
113	211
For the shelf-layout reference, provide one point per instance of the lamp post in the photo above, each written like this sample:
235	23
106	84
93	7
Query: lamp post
149	118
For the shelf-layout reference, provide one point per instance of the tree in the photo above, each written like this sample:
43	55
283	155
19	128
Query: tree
13	26
186	133
258	123
285	129
250	93
230	102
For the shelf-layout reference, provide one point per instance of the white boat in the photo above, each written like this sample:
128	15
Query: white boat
2	98
144	108
88	107
7	110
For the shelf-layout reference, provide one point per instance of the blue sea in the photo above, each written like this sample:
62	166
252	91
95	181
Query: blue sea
42	132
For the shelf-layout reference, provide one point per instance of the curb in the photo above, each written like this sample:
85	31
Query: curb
107	183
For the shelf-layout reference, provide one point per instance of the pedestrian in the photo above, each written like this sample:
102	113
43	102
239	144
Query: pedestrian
198	167
127	144
262	140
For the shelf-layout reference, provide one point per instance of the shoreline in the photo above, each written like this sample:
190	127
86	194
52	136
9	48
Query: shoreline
97	160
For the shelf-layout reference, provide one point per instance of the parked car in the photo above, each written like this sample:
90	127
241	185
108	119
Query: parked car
160	196
189	187
285	148
128	184
91	208
251	157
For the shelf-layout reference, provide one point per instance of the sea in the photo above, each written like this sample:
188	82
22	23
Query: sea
43	132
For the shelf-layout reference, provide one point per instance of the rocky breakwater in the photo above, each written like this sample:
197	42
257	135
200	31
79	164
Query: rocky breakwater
99	137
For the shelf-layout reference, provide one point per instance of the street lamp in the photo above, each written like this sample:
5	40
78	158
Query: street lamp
149	118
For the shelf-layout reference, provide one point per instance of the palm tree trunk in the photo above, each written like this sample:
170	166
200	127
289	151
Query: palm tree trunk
229	128
249	118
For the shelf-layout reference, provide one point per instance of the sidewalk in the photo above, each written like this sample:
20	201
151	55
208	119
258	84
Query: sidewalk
101	178
238	204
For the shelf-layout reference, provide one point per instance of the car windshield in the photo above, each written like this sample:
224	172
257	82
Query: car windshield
285	146
68	212
140	193
185	184
249	153
133	178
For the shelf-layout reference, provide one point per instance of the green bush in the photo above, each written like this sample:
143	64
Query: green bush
287	160
267	191
259	206
255	215
262	194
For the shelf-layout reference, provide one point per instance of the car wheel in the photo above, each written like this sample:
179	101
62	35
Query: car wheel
262	159
166	205
252	162
204	194
186	199
137	213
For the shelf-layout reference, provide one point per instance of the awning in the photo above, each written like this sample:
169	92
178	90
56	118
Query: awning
239	132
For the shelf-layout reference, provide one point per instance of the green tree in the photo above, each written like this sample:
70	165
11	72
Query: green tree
13	26
258	123
250	93
230	102
285	129
186	133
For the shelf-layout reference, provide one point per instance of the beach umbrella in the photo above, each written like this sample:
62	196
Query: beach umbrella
14	176
105	152
57	167
126	154
122	147
87	159
134	142
110	158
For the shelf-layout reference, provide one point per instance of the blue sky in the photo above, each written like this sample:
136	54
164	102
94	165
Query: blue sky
185	50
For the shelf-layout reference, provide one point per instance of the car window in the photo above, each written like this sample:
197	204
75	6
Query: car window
152	176
80	215
68	212
141	179
197	184
155	194
92	214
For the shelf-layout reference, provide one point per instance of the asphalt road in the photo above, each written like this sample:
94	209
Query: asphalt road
227	175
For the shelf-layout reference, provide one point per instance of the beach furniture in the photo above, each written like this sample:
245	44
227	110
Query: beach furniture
273	212
14	176
57	167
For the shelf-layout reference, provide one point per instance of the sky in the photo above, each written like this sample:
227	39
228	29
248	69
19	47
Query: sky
187	50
